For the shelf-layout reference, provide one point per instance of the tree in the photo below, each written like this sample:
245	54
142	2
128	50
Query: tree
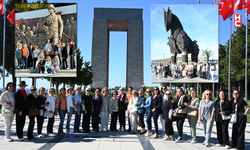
206	53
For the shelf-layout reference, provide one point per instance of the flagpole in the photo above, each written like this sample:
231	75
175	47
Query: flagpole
4	26
229	67
246	56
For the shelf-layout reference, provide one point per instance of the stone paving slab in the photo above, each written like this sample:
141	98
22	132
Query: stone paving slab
110	140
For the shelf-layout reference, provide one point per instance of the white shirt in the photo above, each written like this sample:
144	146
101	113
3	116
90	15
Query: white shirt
133	107
12	99
69	99
52	103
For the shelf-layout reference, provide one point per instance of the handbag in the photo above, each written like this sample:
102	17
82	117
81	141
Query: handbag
34	111
224	117
184	110
6	112
192	112
234	116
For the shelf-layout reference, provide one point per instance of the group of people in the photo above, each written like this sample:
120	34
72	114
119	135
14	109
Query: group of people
46	57
158	104
185	70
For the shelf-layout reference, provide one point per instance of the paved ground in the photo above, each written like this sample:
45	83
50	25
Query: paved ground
110	140
33	73
156	79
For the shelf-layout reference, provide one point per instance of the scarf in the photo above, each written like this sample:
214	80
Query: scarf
23	92
71	45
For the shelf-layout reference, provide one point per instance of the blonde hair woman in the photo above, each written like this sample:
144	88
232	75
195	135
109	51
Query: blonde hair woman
133	114
104	114
78	109
70	107
206	113
51	100
48	64
56	65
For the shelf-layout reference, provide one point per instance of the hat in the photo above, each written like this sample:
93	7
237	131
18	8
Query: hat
22	83
52	6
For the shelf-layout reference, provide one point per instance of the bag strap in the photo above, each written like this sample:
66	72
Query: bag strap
180	100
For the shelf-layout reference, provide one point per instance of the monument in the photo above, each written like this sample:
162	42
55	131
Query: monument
117	19
179	41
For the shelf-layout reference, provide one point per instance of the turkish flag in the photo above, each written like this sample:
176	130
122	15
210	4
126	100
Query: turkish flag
1	7
220	3
11	16
239	5
247	6
227	9
18	22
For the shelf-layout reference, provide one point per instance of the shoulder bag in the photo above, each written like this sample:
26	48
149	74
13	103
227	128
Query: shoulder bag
191	112
184	110
34	111
224	117
7	111
234	116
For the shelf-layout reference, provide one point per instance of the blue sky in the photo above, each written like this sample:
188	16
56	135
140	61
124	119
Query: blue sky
118	39
200	22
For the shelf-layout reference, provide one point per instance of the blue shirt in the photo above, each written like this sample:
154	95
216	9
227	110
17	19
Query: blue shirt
78	99
148	103
140	102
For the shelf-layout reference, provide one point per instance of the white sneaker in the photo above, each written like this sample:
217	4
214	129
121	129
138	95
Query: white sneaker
45	72
204	143
52	135
8	139
207	145
192	142
227	147
40	136
21	139
218	145
179	140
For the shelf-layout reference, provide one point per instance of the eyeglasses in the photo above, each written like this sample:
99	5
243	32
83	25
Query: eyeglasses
155	89
33	89
11	86
209	94
88	90
52	91
148	91
62	90
235	93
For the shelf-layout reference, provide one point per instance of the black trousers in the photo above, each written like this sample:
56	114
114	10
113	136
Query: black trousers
86	121
72	62
238	133
222	132
41	69
155	115
113	121
40	121
122	119
50	124
129	125
169	127
65	63
34	63
204	75
31	127
20	121
141	120
95	120
179	124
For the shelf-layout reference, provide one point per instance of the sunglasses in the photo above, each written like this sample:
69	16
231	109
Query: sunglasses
11	86
62	90
209	94
163	88
33	89
52	91
235	93
148	91
88	90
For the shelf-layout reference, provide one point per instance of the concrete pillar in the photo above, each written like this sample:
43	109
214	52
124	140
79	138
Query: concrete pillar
173	57
184	57
100	53
134	73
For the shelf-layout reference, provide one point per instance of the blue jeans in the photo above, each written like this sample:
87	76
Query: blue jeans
77	121
62	114
67	126
47	67
148	120
24	62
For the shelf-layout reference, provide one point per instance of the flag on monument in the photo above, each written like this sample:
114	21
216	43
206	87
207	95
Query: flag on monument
247	6
11	16
18	22
1	7
227	9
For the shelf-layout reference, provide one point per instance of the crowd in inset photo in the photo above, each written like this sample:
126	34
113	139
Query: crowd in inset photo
46	58
185	70
97	108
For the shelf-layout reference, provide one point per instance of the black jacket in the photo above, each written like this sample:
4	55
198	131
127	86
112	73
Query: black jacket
168	105
72	50
19	103
30	103
165	69
41	64
122	105
87	102
40	100
64	52
156	103
226	107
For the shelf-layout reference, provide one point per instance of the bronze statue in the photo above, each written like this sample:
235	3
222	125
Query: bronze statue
179	41
73	30
53	25
21	35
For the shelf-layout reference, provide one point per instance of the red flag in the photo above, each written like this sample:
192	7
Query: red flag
247	6
220	4
1	7
18	22
11	16
59	13
227	9
239	5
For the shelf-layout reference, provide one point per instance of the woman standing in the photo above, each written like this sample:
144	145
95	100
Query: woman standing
31	103
164	99
167	115
51	100
40	99
78	109
132	107
56	65
30	56
70	108
122	108
206	113
156	109
64	56
113	110
147	106
141	111
222	107
47	64
180	108
88	102
97	104
34	56
19	55
7	100
20	110
61	107
104	114
193	105
238	133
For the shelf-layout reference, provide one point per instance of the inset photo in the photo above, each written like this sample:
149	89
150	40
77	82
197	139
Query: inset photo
45	40
184	43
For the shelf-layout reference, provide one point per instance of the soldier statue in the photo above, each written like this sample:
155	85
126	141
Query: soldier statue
53	25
